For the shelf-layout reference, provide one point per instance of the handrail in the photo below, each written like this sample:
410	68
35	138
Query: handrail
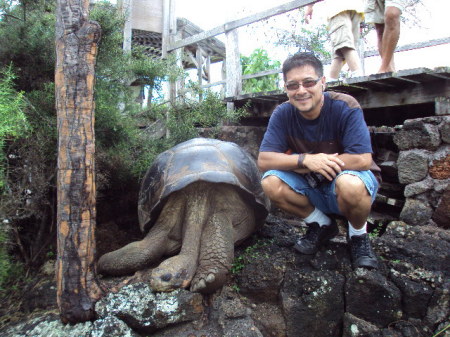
369	53
240	23
234	77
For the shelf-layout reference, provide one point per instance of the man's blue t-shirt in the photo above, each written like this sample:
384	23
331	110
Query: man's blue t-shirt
340	128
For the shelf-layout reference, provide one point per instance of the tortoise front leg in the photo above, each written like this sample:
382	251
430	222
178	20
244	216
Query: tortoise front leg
177	272
163	237
216	255
233	220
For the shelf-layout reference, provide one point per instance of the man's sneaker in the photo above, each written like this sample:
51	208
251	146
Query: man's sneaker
315	236
362	253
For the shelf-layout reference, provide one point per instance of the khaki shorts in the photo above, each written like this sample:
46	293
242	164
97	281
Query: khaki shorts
344	31
374	12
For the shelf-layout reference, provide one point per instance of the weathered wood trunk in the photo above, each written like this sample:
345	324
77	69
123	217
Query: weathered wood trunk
76	48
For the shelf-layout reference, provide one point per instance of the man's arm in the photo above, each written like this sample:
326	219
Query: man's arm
277	161
356	162
329	165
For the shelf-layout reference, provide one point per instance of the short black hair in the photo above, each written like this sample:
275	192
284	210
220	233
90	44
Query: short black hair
300	60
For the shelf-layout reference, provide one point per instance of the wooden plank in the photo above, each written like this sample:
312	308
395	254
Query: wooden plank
406	87
410	95
262	73
412	46
209	85
241	22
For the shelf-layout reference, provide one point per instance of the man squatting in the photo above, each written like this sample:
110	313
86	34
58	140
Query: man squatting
317	159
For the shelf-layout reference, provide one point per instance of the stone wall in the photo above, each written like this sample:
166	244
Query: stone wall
424	167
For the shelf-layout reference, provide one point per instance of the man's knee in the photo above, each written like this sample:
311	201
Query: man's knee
273	187
351	189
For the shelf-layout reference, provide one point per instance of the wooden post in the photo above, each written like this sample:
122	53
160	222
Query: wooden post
199	58
126	7
442	106
76	49
168	26
233	67
208	68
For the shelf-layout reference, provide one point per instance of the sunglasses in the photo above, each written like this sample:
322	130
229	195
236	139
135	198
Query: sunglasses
305	84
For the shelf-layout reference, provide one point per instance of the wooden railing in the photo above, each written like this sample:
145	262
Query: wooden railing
233	78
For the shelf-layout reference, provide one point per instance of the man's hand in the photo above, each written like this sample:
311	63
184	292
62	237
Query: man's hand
308	13
328	165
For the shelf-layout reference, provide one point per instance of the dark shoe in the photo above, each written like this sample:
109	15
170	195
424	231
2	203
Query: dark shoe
362	253
315	236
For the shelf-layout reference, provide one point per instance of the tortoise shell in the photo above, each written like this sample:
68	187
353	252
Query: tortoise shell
200	159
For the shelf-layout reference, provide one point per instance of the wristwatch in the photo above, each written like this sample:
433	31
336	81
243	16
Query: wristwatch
301	158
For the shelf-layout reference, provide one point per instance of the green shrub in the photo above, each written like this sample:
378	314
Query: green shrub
13	121
259	61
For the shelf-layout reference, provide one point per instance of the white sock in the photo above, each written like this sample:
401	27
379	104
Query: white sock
352	231
318	216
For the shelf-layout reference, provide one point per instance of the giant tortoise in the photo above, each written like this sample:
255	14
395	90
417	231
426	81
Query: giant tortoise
198	199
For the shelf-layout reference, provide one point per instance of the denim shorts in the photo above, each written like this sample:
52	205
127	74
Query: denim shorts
324	196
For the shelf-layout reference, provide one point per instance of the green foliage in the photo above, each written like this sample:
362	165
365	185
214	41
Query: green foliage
259	61
375	232
308	39
12	117
28	124
13	121
11	271
236	288
5	263
250	253
190	114
28	42
123	151
150	69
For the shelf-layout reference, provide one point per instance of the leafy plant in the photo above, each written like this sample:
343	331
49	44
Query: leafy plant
259	61
250	253
308	39
13	121
188	115
124	146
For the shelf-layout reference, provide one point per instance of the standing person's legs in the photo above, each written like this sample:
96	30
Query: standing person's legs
391	34
341	30
385	14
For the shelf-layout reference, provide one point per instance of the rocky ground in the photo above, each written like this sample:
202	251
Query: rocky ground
274	291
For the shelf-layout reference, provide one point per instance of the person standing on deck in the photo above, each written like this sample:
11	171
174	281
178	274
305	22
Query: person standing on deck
385	14
344	20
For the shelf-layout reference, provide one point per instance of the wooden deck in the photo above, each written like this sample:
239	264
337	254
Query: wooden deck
407	93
